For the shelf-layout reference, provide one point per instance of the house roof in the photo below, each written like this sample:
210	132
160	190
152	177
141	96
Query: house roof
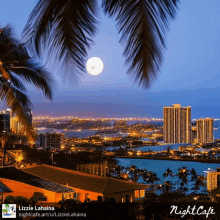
18	175
83	181
4	188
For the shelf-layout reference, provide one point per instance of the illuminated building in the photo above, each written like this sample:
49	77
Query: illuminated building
24	184
5	121
194	134
41	140
16	126
89	186
94	169
205	130
50	140
213	179
177	124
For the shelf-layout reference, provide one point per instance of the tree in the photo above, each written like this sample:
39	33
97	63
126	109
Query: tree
64	29
16	64
7	208
38	196
136	173
17	200
198	183
166	187
183	176
194	174
150	177
118	170
68	204
168	173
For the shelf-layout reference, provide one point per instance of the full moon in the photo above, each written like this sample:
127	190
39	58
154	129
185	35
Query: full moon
94	66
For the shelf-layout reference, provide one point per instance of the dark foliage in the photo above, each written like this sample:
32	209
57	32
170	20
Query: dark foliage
63	28
17	66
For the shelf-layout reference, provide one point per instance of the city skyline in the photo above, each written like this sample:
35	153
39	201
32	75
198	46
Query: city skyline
205	132
112	93
177	124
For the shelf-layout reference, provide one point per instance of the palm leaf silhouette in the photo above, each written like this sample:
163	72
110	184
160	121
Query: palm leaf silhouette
63	29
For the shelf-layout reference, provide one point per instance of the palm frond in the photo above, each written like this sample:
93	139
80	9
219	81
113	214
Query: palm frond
143	25
16	64
62	29
16	82
34	73
15	59
7	41
17	101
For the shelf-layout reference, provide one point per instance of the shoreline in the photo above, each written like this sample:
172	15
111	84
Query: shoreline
172	159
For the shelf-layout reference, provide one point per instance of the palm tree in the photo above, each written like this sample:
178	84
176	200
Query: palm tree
168	173
37	196
17	200
64	29
133	173
183	176
150	177
17	66
194	174
198	183
166	187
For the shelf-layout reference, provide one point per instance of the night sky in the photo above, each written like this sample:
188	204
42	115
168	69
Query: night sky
190	74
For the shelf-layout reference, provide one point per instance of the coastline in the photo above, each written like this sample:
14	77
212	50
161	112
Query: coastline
171	159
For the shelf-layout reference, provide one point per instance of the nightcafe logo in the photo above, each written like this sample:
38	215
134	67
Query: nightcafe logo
8	210
192	211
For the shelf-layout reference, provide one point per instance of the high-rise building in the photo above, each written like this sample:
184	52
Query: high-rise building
177	124
205	130
50	140
213	179
15	124
41	140
4	121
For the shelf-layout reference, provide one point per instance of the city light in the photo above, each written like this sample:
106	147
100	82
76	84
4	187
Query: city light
19	158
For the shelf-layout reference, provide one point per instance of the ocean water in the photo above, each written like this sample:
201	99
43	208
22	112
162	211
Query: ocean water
160	167
159	147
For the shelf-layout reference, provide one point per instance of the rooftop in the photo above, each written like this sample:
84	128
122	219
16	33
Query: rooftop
212	170
18	175
4	188
83	181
